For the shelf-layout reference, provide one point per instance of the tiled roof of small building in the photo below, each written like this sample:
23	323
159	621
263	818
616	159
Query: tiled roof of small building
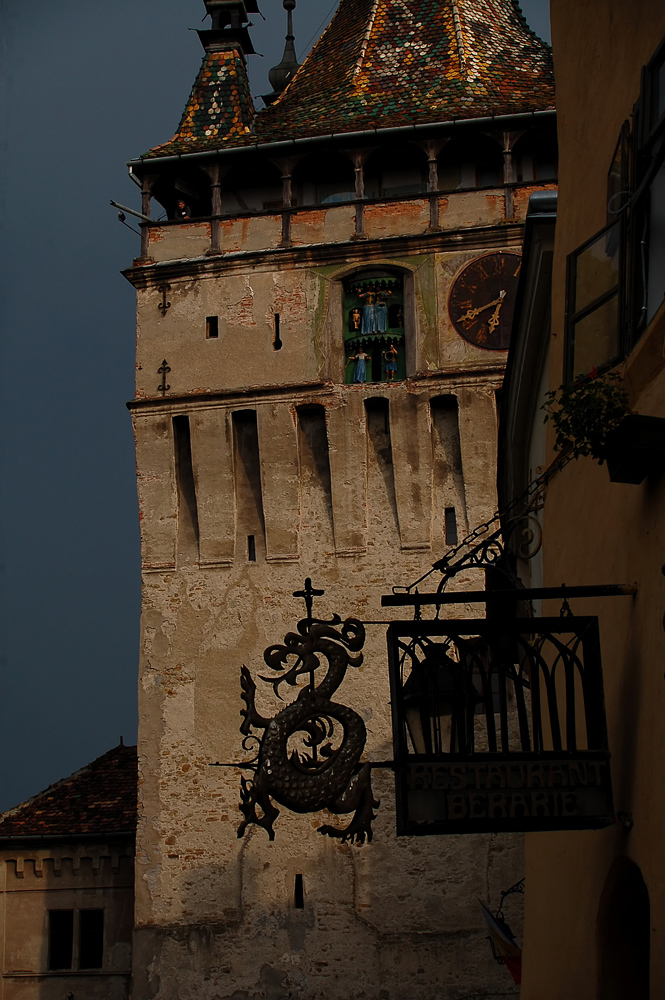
98	799
389	63
220	109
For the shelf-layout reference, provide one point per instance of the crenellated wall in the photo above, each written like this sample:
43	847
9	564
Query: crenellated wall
71	876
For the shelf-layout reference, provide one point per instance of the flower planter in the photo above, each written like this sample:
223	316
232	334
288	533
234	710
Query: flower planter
636	449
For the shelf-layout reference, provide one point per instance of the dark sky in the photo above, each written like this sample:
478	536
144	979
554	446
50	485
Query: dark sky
85	86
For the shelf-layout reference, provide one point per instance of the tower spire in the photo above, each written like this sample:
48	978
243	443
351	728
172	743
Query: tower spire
280	75
220	109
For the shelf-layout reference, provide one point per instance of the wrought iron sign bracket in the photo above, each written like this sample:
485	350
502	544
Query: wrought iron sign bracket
563	593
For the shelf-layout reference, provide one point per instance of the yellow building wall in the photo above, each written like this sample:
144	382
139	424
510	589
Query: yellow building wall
598	532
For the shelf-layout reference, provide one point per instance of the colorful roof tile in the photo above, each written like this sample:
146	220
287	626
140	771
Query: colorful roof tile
98	799
220	109
384	63
389	63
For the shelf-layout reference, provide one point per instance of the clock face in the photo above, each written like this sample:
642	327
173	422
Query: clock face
482	300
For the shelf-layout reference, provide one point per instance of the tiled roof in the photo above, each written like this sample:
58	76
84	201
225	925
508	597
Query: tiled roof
98	799
220	107
388	63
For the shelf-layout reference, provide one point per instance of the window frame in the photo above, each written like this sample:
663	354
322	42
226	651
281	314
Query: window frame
635	149
649	131
76	931
574	316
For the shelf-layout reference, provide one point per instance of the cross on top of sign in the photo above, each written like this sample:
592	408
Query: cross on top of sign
308	594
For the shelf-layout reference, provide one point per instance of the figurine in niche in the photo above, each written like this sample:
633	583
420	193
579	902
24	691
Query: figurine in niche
368	294
355	320
360	371
391	362
381	307
375	308
396	316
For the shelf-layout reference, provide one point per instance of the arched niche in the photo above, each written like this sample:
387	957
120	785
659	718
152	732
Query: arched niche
376	325
395	171
252	184
324	178
535	156
623	934
184	193
470	161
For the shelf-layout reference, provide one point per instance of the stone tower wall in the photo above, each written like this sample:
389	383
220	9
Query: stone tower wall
347	485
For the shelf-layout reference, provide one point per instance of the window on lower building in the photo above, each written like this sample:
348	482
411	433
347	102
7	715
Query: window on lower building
91	939
62	925
60	939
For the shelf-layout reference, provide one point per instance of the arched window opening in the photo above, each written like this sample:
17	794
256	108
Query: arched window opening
252	185
395	171
184	193
324	179
623	934
374	343
470	162
535	156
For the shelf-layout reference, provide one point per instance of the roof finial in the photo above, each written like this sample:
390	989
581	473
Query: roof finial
281	74
459	38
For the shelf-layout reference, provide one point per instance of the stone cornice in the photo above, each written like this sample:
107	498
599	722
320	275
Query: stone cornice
435	382
359	252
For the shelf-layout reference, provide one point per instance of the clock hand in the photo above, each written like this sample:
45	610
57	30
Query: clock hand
472	313
493	321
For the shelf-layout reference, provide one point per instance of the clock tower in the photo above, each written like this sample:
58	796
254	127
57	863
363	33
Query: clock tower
323	317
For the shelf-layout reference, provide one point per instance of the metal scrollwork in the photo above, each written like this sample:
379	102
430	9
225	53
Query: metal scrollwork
309	753
527	534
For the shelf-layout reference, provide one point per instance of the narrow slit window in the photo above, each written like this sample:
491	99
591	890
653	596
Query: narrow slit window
212	327
60	938
276	340
299	894
188	519
450	526
251	548
91	939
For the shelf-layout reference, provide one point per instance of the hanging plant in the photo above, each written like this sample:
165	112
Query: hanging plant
585	412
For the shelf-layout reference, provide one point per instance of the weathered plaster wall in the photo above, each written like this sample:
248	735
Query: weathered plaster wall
309	303
215	915
326	224
347	485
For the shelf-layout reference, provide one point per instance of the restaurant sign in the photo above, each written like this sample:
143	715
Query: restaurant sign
512	794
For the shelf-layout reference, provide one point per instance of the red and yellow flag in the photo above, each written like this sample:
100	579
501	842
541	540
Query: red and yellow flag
505	945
